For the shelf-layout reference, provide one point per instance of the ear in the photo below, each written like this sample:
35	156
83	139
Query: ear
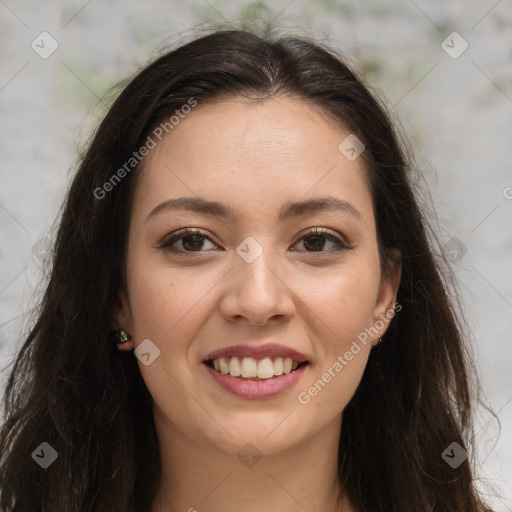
123	319
388	291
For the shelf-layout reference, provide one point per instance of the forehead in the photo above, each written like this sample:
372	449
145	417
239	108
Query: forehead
254	157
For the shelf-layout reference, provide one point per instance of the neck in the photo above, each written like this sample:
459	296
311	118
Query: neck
203	478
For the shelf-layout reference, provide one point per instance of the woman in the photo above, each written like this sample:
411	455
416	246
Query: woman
244	311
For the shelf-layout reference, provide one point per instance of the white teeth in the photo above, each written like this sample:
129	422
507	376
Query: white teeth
249	367
278	366
235	369
265	368
224	368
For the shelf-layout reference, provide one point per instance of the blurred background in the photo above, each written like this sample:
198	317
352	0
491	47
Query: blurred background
444	70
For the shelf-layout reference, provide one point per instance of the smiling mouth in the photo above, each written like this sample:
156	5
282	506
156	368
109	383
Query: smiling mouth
249	368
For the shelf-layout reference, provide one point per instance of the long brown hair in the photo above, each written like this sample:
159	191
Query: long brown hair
71	387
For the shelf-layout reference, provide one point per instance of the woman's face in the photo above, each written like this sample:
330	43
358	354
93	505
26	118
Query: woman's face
258	282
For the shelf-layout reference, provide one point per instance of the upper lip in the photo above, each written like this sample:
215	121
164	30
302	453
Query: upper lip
257	351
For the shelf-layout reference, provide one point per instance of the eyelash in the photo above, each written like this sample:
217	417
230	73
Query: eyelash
168	242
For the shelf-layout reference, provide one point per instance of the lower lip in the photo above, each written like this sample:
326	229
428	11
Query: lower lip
257	388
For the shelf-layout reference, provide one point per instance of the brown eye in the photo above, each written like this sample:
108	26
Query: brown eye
315	242
317	239
186	241
192	242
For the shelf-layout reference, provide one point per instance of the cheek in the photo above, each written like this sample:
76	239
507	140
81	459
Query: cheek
169	307
166	300
343	304
340	365
343	300
351	309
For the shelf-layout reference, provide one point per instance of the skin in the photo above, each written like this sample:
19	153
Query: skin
253	157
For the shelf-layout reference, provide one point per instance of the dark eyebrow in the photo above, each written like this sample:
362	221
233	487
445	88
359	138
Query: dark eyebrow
331	204
194	204
288	210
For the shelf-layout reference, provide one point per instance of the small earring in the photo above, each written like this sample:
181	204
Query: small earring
122	336
378	343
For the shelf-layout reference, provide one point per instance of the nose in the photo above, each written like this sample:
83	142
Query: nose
257	292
